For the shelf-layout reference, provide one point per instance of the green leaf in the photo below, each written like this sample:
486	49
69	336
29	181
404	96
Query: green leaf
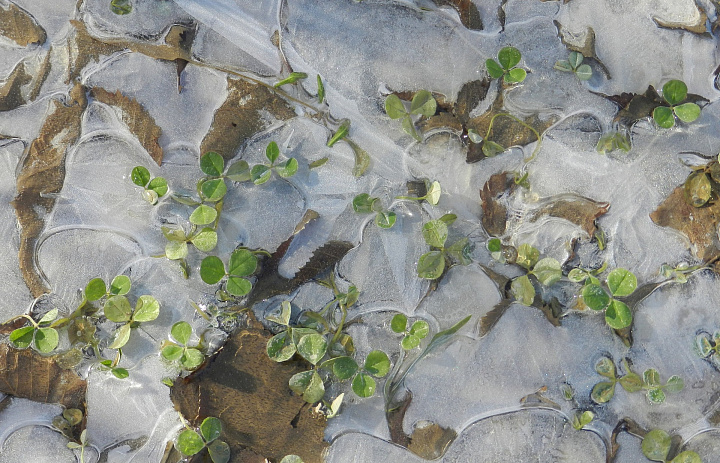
420	329
189	442
674	384
523	290
184	199
214	190
433	193
309	384
291	79
490	148
22	337
377	363
580	420
595	297
494	245
448	219
117	309
312	347
547	271
333	411
575	59
435	233
651	377
175	250
172	352
631	382
95	289
319	162
73	416
409	127
206	240
606	368
515	76
120	7
341	133
280	348
364	203
527	256
577	275
272	152
687	112
242	263
321	89
461	251
212	164
431	265
120	373
147	309
212	270
140	176
621	282
203	215
703	346
181	332
284	317
363	385
192	359
238	286
158	185
410	342
423	103
698	190
494	69
210	429
687	456
674	91
656	445
121	337
584	72
288	168
219	451
385	219
239	171
664	117
260	174
362	160
46	340
120	285
398	323
618	315
394	107
49	317
602	392
344	367
508	57
563	65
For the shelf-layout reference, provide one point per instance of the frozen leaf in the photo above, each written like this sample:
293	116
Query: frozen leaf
621	282
674	384
19	26
341	133
394	107
95	289
205	240
46	340
377	363
239	171
602	392
203	215
494	69
212	270
120	285
272	151
508	57
516	75
212	164
242	263
523	290
398	323
117	309
605	367
431	265
219	451
674	91
172	352
687	112
656	445
175	250
260	174
423	103
280	348
344	367
312	347
618	315
121	337
528	256
435	233
210	429
547	271
363	385
147	309
583	72
631	382
687	456
189	442
595	297
238	286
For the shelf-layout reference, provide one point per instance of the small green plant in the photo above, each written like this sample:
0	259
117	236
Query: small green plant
112	366
117	309
431	265
377	364
574	64
261	173
680	273
204	239
413	334
83	443
191	442
674	92
508	58
242	263
153	188
366	204
612	141
67	420
580	419
120	7
656	446
321	90
432	195
291	79
603	391
422	104
708	347
620	282
41	335
342	132
179	351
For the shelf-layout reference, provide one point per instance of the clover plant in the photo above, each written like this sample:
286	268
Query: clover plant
620	282
41	335
702	184
152	188
242	263
508	58
432	195
204	239
422	104
191	442
674	92
431	265
260	173
574	64
580	419
656	446
413	334
603	391
678	274
83	443
117	309
179	351
291	79
613	141
377	364
120	7
366	204
708	347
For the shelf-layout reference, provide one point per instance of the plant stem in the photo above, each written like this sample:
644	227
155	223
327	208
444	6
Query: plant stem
340	325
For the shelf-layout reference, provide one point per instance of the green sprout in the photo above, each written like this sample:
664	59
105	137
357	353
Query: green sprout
342	132
547	271
432	195
242	263
112	366
656	446
574	64
204	239
508	58
708	347
191	442
422	104
613	141
261	173
321	90
431	265
117	309
366	204
603	391
620	282
291	79
41	335
179	351
674	92
83	443
152	188
678	274
580	419
120	7
412	334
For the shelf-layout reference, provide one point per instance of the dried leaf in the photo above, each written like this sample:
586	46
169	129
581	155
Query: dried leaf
241	382
468	98
699	27
575	209
23	84
137	119
499	186
490	319
41	177
19	26
430	440
82	49
242	115
469	14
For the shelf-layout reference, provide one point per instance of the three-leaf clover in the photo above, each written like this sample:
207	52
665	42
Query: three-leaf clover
260	173
632	382
620	282
41	335
204	239
431	265
152	188
189	357
574	64
656	446
117	309
377	365
547	271
674	92
366	204
422	104
83	443
242	263
413	334
191	442
508	58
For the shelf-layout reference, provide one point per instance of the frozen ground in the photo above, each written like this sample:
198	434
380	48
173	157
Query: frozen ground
481	387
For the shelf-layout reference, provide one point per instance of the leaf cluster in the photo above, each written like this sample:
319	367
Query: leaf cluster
41	335
431	265
581	419
650	382
366	204
708	347
423	104
620	283
242	263
191	442
612	141
261	173
180	351
412	334
674	92
505	66
656	446
574	64
153	188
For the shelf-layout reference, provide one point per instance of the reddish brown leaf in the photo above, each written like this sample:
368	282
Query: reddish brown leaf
575	209
494	219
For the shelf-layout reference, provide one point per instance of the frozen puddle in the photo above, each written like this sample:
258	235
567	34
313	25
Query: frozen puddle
91	89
